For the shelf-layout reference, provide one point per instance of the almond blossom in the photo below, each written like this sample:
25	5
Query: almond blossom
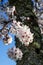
7	40
22	32
11	10
15	53
5	31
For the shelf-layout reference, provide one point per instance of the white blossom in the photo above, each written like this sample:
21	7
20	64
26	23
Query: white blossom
22	32
5	31
7	40
12	30
15	53
28	18
11	10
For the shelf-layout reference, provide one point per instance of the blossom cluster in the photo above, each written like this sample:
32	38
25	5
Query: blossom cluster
15	53
5	31
7	40
22	32
10	10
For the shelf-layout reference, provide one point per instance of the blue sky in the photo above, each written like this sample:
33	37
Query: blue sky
4	1
4	59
